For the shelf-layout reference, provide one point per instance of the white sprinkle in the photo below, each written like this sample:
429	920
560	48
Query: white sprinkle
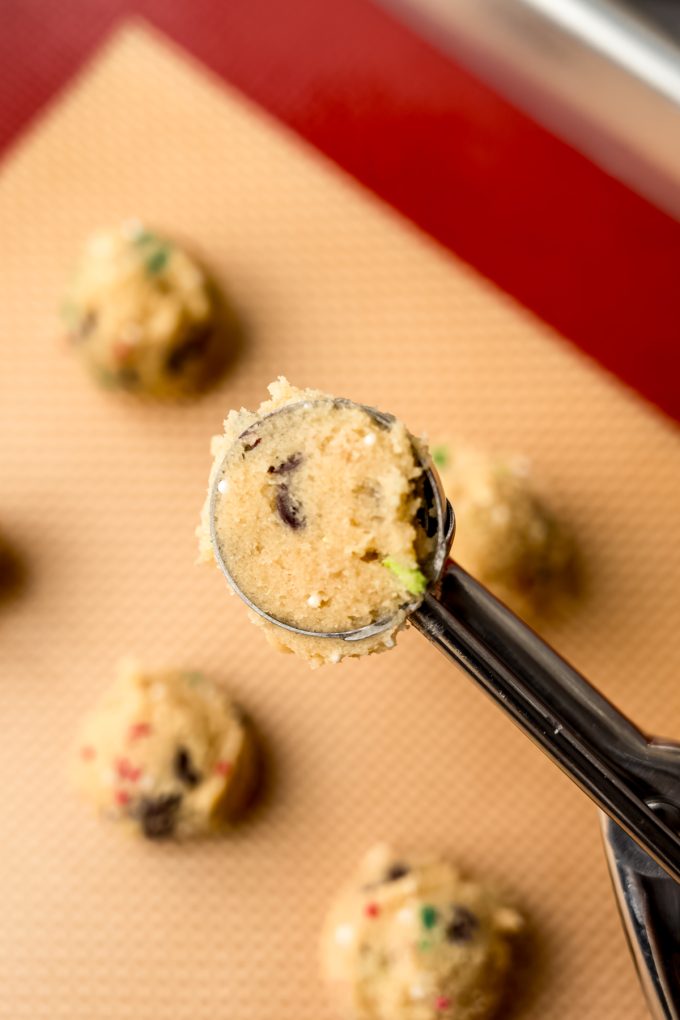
314	600
404	916
146	783
223	486
369	439
334	657
344	934
417	991
132	228
307	404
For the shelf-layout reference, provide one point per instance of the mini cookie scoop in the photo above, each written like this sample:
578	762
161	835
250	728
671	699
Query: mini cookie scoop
634	779
434	521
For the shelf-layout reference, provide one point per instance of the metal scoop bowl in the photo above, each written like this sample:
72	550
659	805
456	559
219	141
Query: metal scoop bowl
434	524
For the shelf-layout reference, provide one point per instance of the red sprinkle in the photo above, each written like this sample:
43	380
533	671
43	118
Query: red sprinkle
223	768
139	729
87	753
126	770
371	910
442	1002
122	797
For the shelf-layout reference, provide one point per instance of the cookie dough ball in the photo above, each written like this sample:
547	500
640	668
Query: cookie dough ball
507	536
315	516
143	315
168	752
410	939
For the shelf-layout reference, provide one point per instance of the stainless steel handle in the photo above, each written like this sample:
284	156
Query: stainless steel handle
632	779
649	904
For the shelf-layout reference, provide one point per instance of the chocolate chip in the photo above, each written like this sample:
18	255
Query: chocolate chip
288	508
247	447
193	347
184	768
397	871
427	521
290	464
463	926
370	555
393	874
157	816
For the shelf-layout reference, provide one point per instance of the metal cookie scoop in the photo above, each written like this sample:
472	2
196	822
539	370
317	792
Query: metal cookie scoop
435	525
633	779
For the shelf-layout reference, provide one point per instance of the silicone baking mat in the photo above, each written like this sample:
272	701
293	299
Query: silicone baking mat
101	495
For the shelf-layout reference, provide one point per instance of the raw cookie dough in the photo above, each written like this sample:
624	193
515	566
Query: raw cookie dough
143	315
168	752
410	939
316	519
507	537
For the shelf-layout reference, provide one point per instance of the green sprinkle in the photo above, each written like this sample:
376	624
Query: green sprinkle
157	260
424	945
440	455
411	577
429	916
144	236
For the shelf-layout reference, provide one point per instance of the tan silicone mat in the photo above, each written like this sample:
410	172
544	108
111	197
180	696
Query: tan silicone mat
102	495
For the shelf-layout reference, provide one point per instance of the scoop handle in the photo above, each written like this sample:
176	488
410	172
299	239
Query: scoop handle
629	777
649	904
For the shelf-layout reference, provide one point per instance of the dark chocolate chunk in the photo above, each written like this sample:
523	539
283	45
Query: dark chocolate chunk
184	768
288	508
158	815
247	447
290	464
393	874
463	925
193	347
427	521
397	871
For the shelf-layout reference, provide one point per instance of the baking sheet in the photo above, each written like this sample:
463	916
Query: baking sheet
101	495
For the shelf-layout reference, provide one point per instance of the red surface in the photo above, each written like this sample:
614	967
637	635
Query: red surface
581	250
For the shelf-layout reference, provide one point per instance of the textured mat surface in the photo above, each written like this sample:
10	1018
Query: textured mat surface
101	494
